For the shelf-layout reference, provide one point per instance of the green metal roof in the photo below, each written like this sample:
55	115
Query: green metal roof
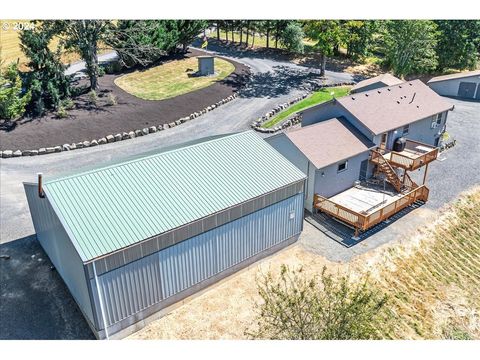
110	208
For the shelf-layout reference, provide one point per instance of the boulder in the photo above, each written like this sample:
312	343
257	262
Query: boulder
7	153
66	147
118	137
145	131
94	142
50	150
110	138
17	153
138	133
41	151
178	122
33	152
125	136
86	143
160	127
131	134
166	126
79	145
73	146
102	141
172	124
152	129
57	148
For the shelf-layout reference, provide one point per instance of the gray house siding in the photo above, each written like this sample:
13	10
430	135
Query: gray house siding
137	290
284	146
451	87
329	182
55	241
421	131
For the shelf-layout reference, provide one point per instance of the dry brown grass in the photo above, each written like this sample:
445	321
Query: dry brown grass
432	278
10	50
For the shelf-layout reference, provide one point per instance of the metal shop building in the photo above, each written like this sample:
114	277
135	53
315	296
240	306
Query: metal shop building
464	85
133	238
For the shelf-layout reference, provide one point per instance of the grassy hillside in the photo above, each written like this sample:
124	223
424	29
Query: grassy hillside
434	285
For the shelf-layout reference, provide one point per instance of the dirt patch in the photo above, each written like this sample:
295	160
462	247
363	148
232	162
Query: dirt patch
130	113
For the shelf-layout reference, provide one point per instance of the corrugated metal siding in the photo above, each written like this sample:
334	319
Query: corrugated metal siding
147	281
117	206
139	250
57	245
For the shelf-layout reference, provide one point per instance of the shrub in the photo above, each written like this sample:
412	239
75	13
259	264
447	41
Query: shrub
111	100
292	38
61	112
101	71
324	307
67	104
12	101
93	98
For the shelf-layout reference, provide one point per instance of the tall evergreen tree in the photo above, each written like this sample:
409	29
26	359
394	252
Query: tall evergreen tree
458	43
46	78
410	46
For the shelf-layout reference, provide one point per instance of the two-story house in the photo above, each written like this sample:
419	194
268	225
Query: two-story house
351	144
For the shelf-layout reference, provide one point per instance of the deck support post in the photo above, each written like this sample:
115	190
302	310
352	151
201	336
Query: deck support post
425	174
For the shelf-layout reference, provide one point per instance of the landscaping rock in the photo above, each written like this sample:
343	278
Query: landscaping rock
73	146
66	147
131	134
50	150
41	151
57	148
145	131
166	126
26	153
110	138
17	153
125	136
102	141
178	122
33	152
138	133
172	124
160	127
86	143
94	143
118	137
152	129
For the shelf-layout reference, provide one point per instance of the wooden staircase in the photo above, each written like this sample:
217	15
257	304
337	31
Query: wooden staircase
384	167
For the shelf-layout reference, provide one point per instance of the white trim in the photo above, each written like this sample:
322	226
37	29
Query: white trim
100	299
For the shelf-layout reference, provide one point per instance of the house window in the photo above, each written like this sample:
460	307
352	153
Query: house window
439	119
406	128
342	166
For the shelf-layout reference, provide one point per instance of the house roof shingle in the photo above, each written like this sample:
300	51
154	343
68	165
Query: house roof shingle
395	106
329	141
455	76
386	79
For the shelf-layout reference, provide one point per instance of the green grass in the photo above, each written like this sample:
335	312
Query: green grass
316	98
171	79
260	40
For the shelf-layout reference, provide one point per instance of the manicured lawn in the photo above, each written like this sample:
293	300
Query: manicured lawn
317	97
171	79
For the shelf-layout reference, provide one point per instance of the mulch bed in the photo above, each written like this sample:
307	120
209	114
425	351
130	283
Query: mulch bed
130	113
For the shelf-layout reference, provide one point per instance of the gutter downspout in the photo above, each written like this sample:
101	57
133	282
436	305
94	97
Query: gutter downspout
100	299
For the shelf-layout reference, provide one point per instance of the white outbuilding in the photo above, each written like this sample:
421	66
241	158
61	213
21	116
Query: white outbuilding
465	85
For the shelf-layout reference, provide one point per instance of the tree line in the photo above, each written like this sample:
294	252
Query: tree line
403	46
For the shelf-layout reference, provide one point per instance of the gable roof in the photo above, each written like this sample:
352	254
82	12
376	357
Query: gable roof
382	80
395	106
455	76
108	209
329	141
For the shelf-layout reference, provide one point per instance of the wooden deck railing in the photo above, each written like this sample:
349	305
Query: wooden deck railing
362	222
405	162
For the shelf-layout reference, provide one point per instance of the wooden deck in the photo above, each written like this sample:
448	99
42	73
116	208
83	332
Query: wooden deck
415	155
365	207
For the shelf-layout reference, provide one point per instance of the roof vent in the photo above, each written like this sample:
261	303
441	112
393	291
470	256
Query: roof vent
379	91
398	102
410	84
389	89
399	86
366	95
418	107
353	98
